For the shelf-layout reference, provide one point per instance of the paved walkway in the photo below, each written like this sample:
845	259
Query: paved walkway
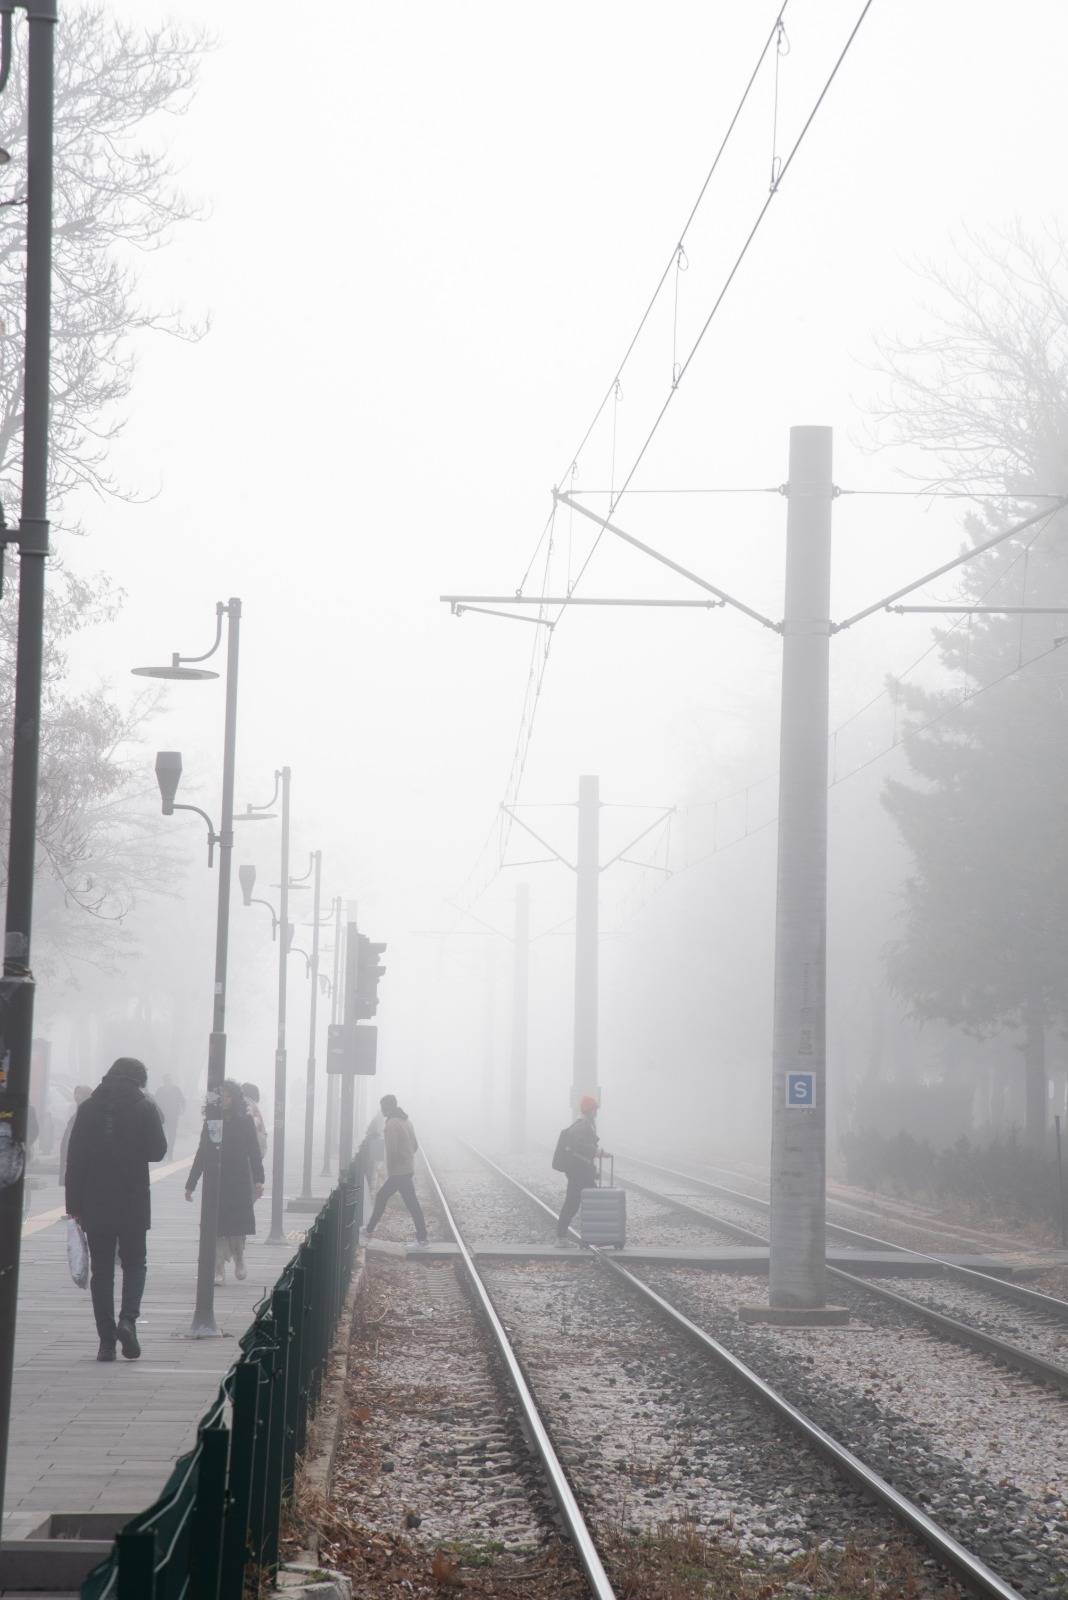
91	1436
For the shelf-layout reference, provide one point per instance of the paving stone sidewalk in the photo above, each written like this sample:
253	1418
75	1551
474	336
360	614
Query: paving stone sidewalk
93	1436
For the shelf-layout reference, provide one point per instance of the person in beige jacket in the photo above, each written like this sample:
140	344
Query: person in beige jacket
401	1145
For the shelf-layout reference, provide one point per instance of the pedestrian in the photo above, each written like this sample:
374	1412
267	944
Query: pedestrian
401	1145
373	1147
82	1092
252	1100
171	1102
117	1131
240	1180
578	1149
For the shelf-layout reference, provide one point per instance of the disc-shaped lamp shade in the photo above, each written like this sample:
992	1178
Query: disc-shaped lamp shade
255	816
173	671
246	876
168	772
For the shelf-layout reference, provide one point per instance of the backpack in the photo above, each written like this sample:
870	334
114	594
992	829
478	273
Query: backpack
562	1151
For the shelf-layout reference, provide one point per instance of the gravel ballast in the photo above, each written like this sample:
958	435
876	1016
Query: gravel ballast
984	1451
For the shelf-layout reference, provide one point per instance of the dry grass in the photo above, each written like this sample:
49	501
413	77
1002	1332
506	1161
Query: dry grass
681	1563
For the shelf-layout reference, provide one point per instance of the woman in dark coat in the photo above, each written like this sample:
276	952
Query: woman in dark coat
240	1180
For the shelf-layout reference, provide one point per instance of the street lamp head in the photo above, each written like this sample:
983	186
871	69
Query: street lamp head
290	930
174	670
246	876
168	772
248	815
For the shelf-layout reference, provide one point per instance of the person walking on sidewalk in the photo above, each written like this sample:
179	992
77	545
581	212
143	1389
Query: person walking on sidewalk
401	1145
252	1100
81	1092
240	1180
580	1153
117	1131
171	1102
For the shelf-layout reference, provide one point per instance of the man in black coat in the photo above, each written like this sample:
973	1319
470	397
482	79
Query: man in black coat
116	1133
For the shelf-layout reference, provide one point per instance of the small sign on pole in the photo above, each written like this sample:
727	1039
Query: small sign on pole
801	1089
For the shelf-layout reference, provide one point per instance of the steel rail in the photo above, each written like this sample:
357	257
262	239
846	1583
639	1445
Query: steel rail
562	1492
1047	1304
961	1562
987	1344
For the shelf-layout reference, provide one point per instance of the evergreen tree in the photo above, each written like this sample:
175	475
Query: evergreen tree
985	939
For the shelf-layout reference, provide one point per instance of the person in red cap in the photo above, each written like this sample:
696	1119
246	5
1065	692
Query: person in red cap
580	1153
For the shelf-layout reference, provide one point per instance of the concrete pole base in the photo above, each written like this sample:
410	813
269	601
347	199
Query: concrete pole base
795	1316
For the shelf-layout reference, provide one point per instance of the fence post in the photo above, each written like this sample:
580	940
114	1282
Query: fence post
205	1545
295	1396
272	1506
137	1565
264	1367
245	1400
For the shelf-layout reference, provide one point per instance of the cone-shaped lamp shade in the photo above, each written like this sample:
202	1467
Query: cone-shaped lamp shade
168	772
246	876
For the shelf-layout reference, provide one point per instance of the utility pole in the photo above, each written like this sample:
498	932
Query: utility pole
277	1234
587	873
517	1100
17	990
309	1093
330	1128
797	1275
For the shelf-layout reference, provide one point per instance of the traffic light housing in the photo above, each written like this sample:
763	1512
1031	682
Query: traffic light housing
369	970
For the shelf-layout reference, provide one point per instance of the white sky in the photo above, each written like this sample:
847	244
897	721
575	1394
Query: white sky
432	229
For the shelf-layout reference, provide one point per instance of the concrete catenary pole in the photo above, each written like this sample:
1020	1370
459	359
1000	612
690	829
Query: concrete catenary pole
517	1099
797	1275
588	873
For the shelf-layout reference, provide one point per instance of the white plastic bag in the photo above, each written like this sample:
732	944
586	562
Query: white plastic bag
77	1253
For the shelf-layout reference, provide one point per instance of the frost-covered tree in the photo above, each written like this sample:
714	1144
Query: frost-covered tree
985	395
115	198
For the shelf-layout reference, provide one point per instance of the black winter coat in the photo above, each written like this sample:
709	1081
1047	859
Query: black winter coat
242	1166
116	1133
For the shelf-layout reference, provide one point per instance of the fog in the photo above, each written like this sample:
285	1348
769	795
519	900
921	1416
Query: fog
426	235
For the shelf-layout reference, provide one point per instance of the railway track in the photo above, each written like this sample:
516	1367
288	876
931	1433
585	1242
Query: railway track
1049	1312
1048	1306
510	1302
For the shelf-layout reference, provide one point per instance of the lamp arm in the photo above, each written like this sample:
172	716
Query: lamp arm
213	837
306	875
274	915
220	612
271	801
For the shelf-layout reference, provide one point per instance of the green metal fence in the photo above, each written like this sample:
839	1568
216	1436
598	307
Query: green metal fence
213	1532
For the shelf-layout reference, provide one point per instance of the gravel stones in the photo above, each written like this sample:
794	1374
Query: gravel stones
984	1451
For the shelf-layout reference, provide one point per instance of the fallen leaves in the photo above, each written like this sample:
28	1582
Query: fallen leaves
445	1571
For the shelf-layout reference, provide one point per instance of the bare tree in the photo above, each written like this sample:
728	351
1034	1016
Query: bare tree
985	397
115	198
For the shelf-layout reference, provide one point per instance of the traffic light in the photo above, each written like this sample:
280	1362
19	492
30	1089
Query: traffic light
369	970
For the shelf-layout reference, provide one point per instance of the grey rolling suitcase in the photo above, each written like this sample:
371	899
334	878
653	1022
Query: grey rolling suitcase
603	1211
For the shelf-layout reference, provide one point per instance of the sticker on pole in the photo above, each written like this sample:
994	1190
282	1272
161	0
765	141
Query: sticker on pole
801	1089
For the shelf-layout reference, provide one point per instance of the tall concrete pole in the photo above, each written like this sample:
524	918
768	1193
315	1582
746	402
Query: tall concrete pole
489	1041
797	1277
588	873
517	1100
277	1234
352	947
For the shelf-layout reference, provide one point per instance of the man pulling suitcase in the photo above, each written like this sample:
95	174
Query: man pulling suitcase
576	1153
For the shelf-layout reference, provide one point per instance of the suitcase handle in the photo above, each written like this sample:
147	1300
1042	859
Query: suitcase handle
602	1157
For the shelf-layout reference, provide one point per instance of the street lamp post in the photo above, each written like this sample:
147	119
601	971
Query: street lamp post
31	536
309	1092
282	780
168	773
329	1134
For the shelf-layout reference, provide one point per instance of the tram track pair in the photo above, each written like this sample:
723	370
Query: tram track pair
1000	1350
961	1563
